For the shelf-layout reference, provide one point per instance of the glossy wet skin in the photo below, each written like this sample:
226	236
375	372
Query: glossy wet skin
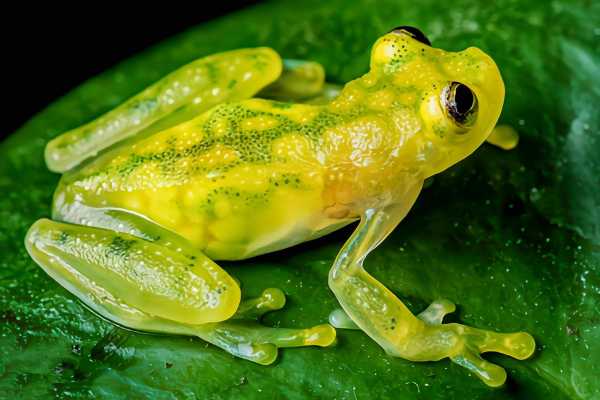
248	177
219	178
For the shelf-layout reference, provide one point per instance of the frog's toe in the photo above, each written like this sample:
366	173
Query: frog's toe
261	353
254	342
244	336
491	374
473	341
463	345
519	345
319	335
435	313
271	299
274	299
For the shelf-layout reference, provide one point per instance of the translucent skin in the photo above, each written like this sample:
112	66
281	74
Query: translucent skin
247	177
180	95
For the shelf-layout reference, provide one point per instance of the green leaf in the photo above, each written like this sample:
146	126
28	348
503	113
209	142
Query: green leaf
512	237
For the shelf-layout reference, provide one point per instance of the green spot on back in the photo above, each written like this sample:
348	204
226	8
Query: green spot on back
120	247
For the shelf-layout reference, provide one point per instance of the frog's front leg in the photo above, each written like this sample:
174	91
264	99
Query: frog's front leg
165	288
504	137
379	313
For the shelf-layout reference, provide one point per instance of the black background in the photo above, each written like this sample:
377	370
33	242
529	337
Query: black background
45	52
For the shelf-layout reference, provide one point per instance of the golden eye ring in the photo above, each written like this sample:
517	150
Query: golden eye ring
460	103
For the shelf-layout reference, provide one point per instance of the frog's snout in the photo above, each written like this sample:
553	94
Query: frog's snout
480	71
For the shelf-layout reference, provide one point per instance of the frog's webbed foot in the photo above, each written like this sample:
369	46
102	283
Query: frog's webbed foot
463	344
384	318
471	342
183	94
243	336
426	338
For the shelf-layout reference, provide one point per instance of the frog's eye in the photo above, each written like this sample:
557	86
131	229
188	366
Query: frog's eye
413	33
460	103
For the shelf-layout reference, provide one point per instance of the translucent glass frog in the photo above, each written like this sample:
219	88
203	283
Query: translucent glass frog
240	154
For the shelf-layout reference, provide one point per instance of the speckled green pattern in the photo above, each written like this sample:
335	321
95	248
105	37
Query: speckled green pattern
183	93
252	145
522	228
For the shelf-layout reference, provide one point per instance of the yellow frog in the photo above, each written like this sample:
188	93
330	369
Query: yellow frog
211	164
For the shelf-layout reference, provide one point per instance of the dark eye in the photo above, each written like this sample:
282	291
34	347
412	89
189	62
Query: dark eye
412	32
460	103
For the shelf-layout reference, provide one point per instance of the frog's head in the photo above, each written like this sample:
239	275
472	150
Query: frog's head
446	103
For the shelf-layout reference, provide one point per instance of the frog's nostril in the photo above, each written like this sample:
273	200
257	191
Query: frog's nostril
412	32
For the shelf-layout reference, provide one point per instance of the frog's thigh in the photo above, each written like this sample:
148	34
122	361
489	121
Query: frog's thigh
299	80
179	96
164	282
380	314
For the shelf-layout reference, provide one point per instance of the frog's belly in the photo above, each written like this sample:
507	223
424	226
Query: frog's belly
236	230
233	218
276	237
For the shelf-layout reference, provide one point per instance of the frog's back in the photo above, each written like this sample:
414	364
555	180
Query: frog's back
242	179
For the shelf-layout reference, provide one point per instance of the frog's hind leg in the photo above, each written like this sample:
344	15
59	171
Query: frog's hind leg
181	95
174	283
163	286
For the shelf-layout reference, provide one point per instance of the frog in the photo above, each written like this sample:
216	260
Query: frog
244	153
